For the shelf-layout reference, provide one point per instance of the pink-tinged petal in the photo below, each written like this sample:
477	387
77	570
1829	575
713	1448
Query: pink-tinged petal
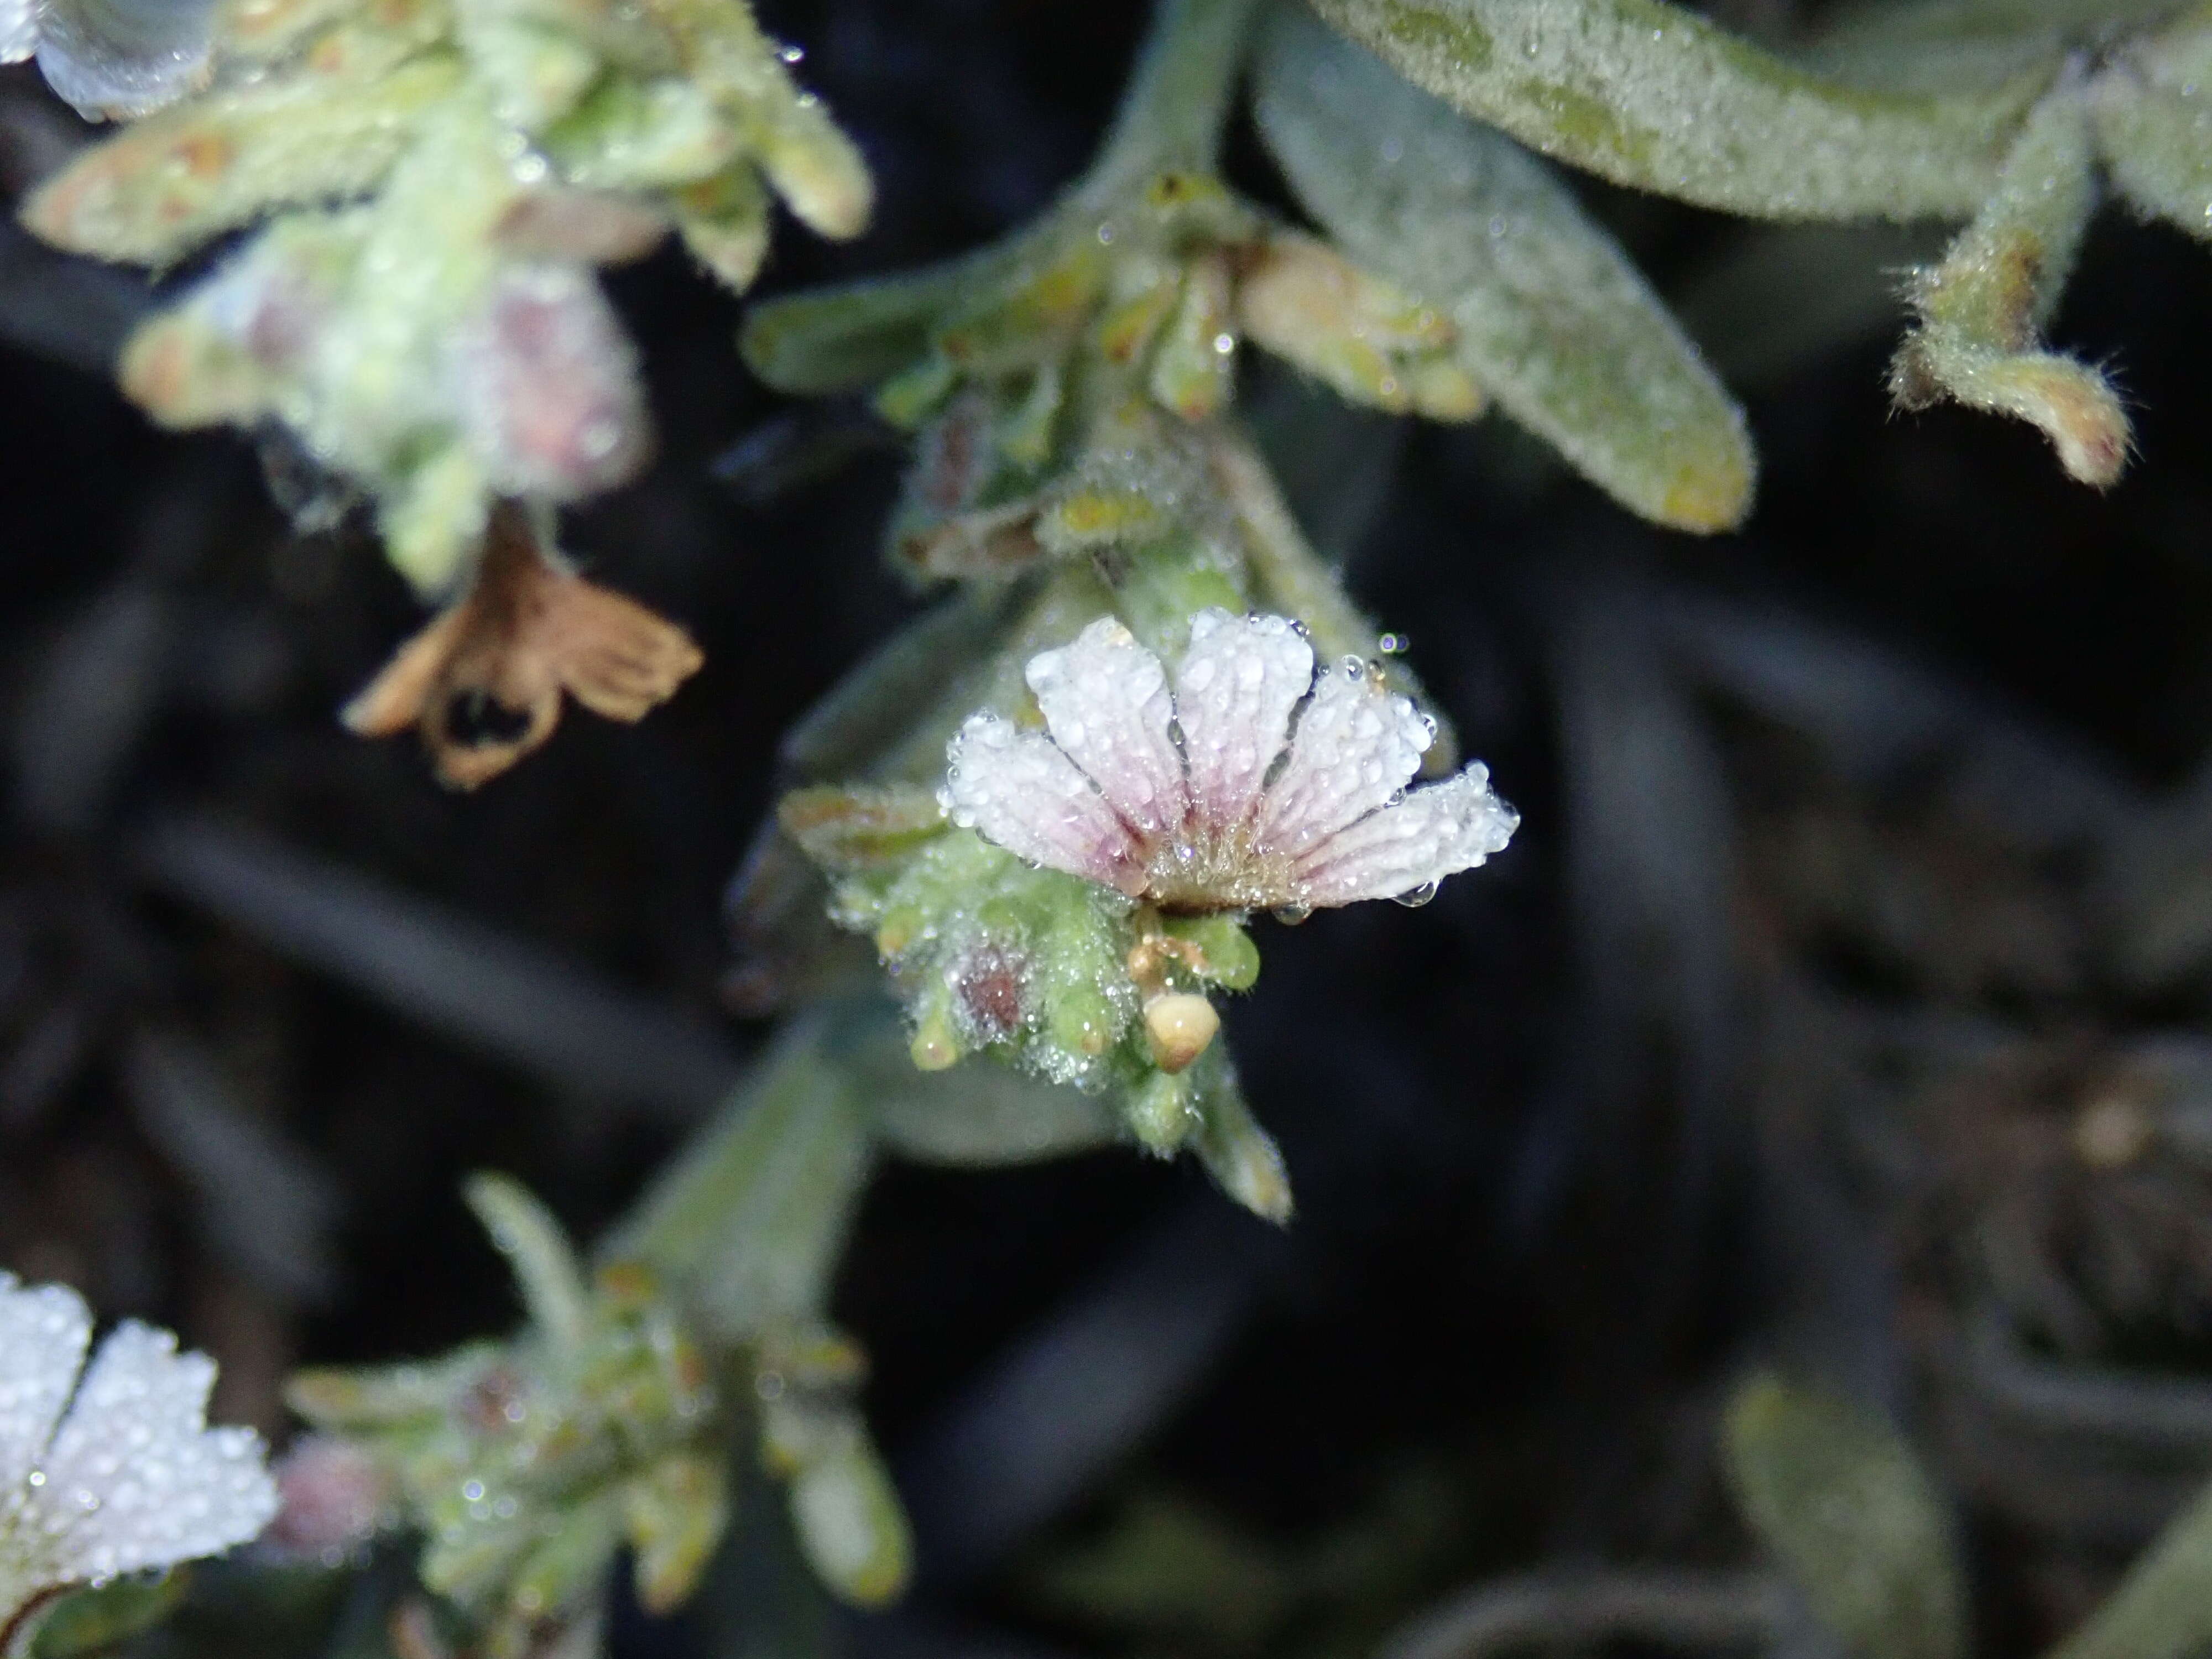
1017	789
1433	833
1106	704
1234	692
44	1334
1355	748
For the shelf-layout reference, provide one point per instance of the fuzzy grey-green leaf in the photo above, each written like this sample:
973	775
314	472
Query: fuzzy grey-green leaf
2163	1607
2157	146
1553	321
1650	95
1949	45
1840	1500
841	337
161	187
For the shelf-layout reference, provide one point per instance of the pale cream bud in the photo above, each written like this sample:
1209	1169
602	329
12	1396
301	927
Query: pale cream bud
1181	1025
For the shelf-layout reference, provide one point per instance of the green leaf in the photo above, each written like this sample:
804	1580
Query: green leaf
545	1267
1241	1155
167	183
2156	142
1840	1500
2163	1609
858	829
1553	321
847	1517
1650	95
370	1400
1943	45
834	339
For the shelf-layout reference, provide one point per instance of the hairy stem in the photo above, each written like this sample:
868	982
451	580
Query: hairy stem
1172	114
747	1225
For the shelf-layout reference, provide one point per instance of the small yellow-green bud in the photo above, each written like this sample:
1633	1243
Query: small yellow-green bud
936	1045
1162	1113
1083	1020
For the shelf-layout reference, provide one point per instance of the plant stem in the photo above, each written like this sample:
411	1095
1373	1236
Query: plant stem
745	1228
1172	114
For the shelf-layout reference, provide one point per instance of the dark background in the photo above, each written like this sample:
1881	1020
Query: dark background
1565	1142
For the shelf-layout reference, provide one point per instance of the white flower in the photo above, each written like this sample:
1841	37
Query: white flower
131	1477
1248	784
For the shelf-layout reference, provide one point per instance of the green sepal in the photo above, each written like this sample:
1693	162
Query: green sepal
642	135
99	1620
1226	954
723	220
853	830
1162	1111
674	1514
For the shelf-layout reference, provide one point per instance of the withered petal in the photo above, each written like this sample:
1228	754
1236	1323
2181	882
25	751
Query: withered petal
616	657
397	696
465	757
482	682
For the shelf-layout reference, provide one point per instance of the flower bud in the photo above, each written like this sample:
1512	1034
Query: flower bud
546	386
1180	1027
1162	1112
335	1496
849	1524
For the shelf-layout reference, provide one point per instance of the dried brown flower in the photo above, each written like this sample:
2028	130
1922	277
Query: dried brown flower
482	682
